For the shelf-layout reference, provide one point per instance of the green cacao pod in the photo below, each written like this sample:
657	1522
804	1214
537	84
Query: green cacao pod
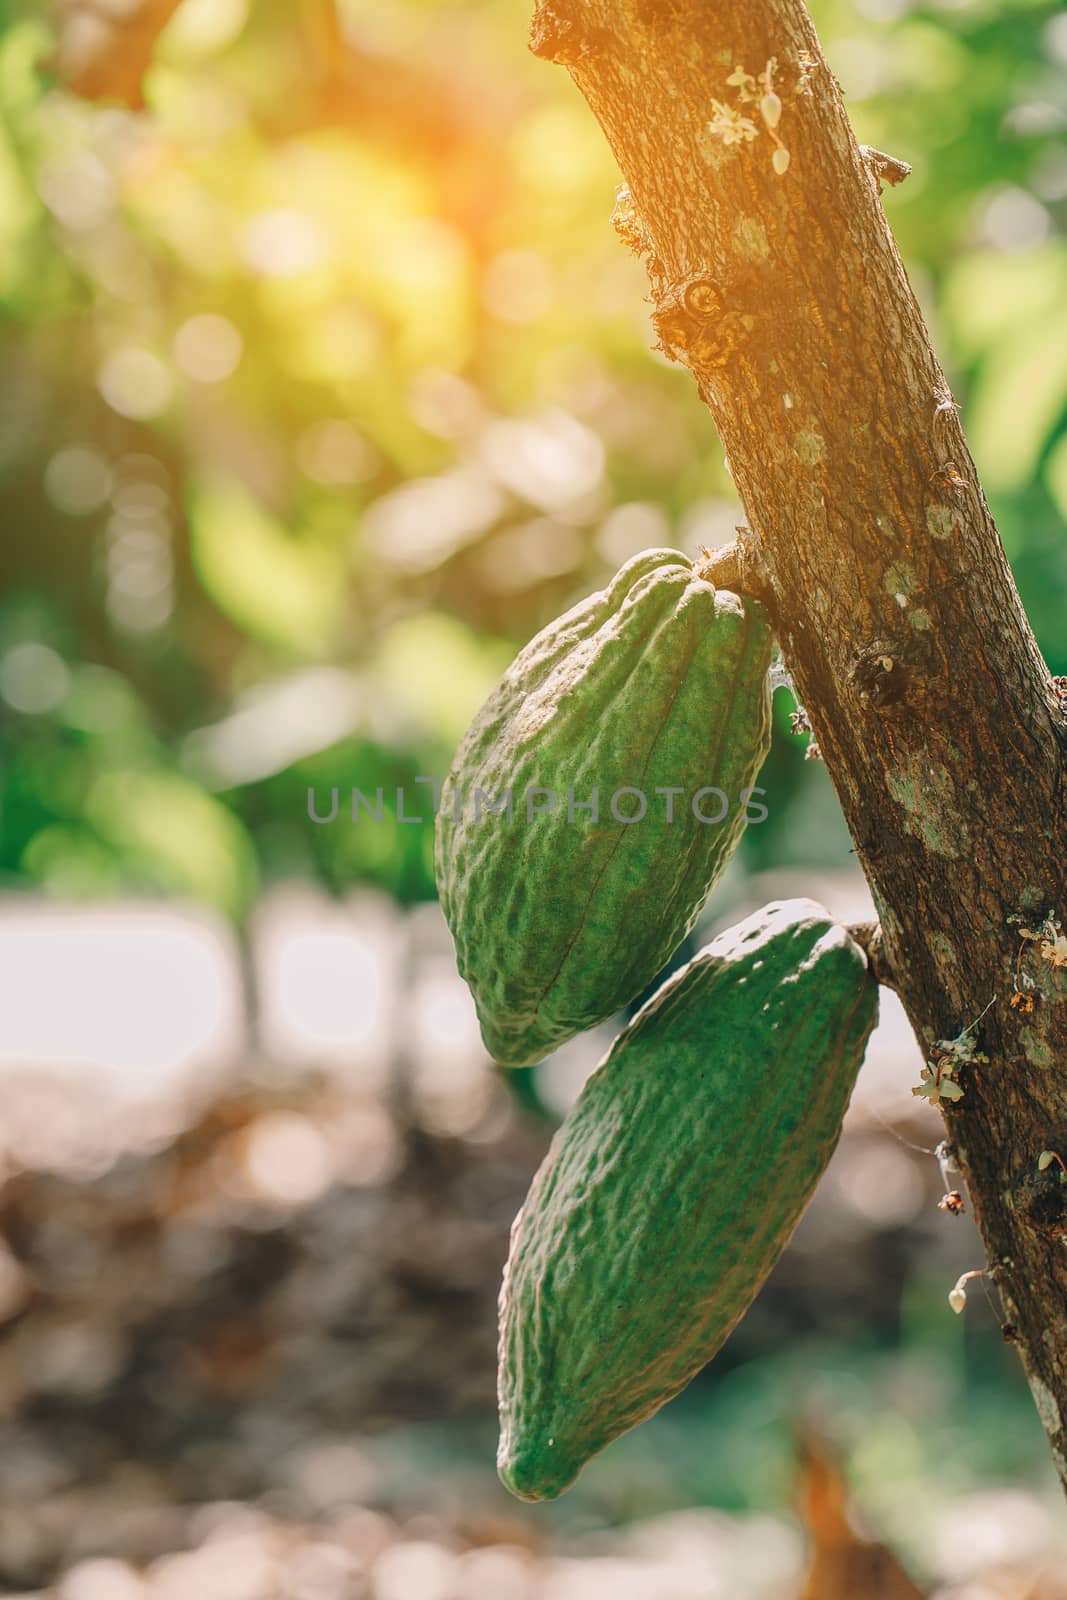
674	1184
563	910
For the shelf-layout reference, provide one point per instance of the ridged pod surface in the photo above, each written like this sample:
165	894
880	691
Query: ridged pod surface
674	1184
561	917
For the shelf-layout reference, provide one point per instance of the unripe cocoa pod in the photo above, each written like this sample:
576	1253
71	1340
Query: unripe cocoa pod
561	915
674	1184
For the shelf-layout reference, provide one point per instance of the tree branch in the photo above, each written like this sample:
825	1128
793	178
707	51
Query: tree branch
776	280
868	935
735	566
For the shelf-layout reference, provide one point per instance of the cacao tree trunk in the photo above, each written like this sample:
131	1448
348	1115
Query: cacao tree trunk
870	541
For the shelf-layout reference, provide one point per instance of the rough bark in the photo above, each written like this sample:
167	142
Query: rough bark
893	602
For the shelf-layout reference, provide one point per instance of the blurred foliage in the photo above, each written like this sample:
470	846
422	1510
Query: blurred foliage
328	383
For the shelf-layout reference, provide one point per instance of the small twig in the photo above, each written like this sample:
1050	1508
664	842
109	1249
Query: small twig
721	567
736	566
868	935
886	169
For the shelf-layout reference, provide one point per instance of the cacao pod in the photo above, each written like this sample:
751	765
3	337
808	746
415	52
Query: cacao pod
562	916
674	1184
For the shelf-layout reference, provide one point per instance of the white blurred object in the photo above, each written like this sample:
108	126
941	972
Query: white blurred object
321	1572
418	526
1015	221
33	678
329	978
630	528
496	1572
415	1568
135	382
287	1160
334	451
208	348
366	1148
877	1180
711	522
991	1527
445	404
141	993
239	1559
240	1569
707	1554
284	243
529	552
78	479
101	1580
202	27
563	1076
517	286
553	460
451	1082
890	1068
78	189
329	1473
274	725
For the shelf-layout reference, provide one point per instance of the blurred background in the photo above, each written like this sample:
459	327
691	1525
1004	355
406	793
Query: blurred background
326	384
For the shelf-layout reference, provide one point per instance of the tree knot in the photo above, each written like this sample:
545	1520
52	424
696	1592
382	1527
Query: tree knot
561	33
694	326
1040	1200
886	671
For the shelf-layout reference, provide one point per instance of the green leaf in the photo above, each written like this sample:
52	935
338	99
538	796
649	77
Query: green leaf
167	829
287	591
439	671
1019	398
990	296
